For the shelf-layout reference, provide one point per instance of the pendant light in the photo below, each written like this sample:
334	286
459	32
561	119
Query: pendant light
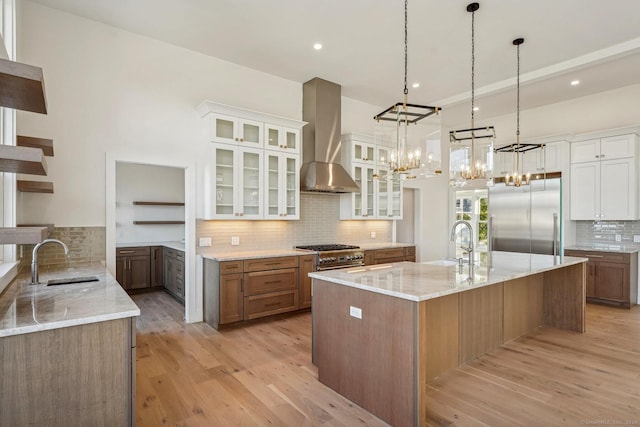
414	150
471	150
518	177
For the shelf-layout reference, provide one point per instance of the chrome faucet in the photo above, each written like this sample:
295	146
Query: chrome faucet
469	248
34	257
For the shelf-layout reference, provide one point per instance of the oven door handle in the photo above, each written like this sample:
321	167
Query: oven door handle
335	267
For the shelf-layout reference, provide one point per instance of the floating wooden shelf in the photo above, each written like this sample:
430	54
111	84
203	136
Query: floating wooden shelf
22	160
46	145
35	186
157	222
158	203
22	87
23	235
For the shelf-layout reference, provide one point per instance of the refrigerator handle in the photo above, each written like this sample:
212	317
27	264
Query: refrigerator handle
555	233
490	234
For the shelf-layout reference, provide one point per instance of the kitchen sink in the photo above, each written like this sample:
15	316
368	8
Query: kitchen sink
70	280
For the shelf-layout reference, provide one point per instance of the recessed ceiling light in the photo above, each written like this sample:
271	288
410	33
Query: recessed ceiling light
476	108
317	46
415	85
575	82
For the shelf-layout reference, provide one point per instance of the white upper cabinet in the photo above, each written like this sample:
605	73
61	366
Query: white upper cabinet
604	178
554	157
254	169
380	195
280	138
232	130
282	195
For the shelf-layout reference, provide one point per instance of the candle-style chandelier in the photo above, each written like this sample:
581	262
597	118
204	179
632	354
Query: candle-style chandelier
471	150
414	151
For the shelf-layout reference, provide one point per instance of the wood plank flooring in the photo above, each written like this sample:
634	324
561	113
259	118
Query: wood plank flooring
261	374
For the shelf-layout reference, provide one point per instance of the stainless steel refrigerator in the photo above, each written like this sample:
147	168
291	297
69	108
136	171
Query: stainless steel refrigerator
526	219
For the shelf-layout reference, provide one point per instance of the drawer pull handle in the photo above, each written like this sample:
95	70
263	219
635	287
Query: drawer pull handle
126	252
595	256
272	263
273	282
273	304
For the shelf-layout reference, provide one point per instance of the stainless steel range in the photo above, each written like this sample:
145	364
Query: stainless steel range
331	257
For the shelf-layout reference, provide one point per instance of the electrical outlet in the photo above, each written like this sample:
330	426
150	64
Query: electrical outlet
355	312
373	234
204	241
618	238
235	240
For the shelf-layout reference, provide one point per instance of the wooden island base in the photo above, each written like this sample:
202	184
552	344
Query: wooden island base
383	361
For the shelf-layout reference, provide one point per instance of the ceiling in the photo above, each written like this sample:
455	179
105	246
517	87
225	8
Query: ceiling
595	41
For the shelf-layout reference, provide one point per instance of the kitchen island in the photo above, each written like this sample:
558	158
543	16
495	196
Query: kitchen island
67	352
380	333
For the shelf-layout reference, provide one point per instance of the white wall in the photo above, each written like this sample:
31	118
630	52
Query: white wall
136	182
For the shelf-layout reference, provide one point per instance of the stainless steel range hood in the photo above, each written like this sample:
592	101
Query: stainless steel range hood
321	170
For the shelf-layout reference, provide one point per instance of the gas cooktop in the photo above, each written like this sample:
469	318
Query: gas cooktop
329	247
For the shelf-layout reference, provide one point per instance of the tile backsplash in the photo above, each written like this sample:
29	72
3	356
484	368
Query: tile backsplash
604	232
319	223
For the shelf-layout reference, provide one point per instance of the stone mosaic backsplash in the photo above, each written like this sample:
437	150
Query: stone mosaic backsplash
86	245
605	232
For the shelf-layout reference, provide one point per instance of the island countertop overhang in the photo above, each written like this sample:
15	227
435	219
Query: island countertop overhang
422	281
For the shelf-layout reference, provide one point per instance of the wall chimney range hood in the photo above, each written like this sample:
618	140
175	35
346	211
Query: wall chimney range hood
321	170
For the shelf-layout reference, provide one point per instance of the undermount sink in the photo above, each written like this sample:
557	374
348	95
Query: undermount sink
70	280
444	262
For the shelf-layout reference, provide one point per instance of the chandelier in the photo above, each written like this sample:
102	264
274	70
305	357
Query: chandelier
518	177
414	149
471	150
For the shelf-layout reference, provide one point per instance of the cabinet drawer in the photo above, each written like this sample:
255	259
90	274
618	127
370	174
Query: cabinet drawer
272	303
410	251
135	251
227	267
390	259
389	253
259	264
174	253
600	256
260	282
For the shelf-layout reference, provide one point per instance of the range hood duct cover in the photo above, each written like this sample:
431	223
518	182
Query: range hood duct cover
321	170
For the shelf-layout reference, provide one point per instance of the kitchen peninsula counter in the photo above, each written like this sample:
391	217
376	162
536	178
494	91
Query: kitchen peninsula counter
380	333
67	352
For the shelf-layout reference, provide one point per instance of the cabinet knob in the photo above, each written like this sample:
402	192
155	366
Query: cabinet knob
237	139
597	156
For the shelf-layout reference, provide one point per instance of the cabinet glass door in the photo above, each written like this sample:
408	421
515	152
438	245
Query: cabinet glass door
363	152
251	193
291	139
292	182
223	128
370	192
383	193
383	156
396	196
251	133
224	193
273	184
357	197
273	137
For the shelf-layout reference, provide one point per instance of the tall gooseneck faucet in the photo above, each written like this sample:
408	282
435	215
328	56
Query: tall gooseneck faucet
469	248
34	257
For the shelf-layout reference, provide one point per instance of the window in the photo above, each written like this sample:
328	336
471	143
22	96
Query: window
472	206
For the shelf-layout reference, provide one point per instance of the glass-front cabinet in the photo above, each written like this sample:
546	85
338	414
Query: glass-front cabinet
280	138
282	196
232	130
389	195
360	205
237	191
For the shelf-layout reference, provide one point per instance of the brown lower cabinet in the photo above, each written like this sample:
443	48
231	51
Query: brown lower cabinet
387	255
157	266
253	288
612	278
173	270
133	267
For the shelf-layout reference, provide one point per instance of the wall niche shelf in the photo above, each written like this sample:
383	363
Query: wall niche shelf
157	222
35	186
23	235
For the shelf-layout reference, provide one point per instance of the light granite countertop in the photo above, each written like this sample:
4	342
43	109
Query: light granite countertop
231	255
626	249
179	246
423	281
26	308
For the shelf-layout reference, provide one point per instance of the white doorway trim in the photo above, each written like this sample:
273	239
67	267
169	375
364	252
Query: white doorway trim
193	287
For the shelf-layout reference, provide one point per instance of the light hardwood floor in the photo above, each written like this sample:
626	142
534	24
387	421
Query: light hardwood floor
261	374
